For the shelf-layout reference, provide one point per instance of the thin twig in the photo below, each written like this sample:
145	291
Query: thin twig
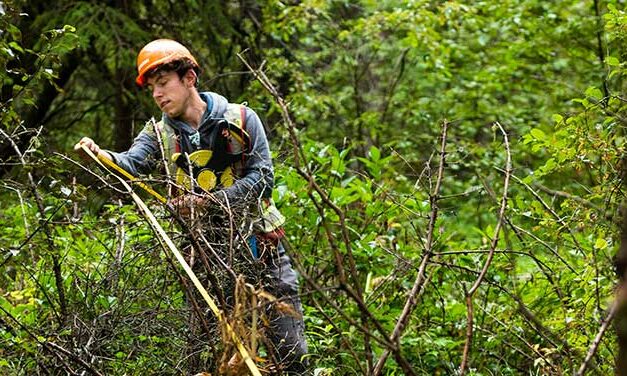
56	264
530	318
551	211
493	245
51	346
412	300
569	196
597	340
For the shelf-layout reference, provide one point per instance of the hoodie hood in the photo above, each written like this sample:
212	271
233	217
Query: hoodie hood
216	105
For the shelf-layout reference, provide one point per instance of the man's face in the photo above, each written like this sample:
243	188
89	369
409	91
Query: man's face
170	92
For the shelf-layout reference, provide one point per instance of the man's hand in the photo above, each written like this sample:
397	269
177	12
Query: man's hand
187	203
92	146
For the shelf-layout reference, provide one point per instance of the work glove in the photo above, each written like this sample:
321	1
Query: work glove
187	204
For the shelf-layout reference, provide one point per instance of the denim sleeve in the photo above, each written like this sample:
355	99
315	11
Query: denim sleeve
141	158
258	174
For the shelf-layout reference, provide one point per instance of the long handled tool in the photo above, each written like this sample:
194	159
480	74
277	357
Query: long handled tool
107	163
104	162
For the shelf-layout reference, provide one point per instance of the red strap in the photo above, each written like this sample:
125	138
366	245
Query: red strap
242	111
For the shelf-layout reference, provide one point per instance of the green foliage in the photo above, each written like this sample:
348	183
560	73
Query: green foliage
373	80
16	76
369	85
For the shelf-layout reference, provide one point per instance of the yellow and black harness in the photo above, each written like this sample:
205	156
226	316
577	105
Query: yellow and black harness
216	160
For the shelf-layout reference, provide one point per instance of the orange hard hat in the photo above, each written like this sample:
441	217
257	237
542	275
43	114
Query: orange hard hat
159	52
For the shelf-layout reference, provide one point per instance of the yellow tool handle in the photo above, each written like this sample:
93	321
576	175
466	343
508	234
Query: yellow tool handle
179	257
212	305
106	162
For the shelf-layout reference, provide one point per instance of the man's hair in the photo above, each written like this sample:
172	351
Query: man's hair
180	66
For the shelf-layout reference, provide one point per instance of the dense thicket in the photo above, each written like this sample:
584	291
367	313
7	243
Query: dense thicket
451	174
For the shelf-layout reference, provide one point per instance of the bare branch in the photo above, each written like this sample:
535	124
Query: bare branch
597	340
412	300
56	263
495	240
552	212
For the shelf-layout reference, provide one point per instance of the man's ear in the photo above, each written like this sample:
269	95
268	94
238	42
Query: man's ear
190	78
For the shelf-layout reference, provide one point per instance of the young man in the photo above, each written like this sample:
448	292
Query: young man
224	147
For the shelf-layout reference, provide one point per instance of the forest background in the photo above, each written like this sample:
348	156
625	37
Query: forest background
451	175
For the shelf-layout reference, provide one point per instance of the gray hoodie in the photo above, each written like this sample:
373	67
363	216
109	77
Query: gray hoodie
257	177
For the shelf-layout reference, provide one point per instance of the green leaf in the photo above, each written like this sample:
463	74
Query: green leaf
594	92
375	154
538	134
612	61
16	47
